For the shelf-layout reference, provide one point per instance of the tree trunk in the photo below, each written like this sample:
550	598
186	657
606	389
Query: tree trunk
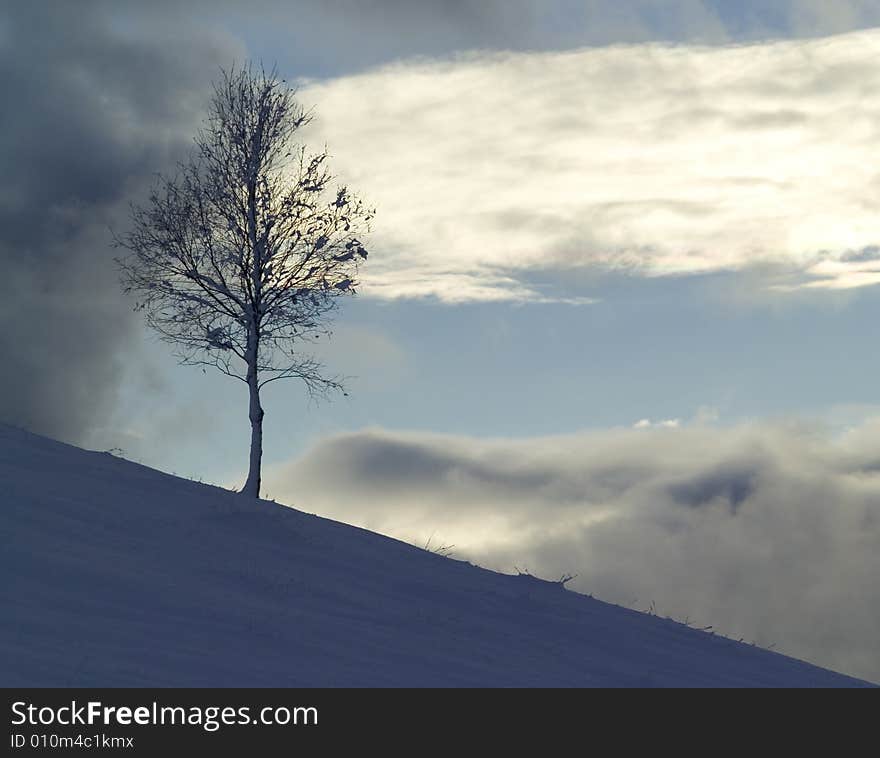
252	485
255	414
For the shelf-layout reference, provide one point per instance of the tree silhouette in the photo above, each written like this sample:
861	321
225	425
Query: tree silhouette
240	258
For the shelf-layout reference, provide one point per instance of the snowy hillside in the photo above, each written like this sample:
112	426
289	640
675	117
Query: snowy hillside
118	575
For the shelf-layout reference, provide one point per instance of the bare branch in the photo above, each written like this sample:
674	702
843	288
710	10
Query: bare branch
242	256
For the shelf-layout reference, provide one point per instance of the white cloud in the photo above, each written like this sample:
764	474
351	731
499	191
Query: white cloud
766	531
652	158
646	423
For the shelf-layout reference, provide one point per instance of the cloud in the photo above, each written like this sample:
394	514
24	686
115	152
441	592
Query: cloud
347	34
769	532
489	168
646	423
92	107
649	158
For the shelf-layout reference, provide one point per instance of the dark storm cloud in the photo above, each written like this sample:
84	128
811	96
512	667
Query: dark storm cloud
769	532
93	105
320	38
371	31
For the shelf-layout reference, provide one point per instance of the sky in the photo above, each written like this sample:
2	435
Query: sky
618	318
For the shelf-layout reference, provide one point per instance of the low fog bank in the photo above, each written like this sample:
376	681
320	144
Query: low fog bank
769	532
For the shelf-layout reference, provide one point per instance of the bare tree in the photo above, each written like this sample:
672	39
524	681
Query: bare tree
241	257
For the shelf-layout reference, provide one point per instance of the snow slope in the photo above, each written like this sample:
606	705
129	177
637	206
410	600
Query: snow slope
118	575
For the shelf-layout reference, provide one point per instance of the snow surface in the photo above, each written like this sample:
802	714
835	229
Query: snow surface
119	575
